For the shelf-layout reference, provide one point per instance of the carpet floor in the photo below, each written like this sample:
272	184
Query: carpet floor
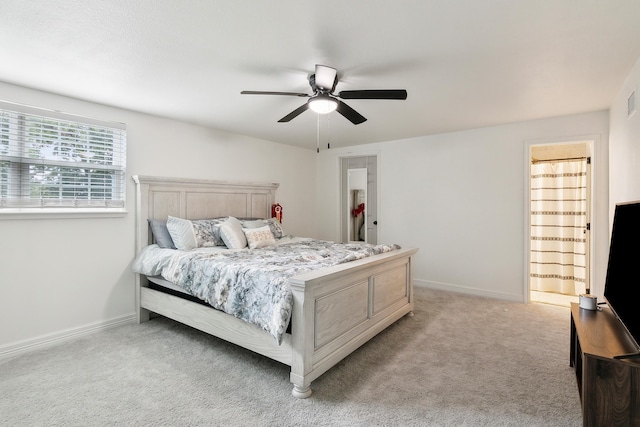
460	361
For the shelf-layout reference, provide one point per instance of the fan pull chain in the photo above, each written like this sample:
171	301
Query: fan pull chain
328	133
318	134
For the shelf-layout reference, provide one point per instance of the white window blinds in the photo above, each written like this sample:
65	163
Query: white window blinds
55	160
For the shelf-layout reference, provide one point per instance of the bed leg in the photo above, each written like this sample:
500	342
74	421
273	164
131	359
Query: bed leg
410	314
301	392
143	315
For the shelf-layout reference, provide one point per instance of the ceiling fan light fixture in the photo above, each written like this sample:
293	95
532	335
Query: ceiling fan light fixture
323	100
323	104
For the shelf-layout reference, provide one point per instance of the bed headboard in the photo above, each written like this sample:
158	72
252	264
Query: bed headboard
159	197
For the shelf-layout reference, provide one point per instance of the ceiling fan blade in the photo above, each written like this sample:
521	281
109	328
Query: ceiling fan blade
295	113
262	92
350	114
400	94
325	77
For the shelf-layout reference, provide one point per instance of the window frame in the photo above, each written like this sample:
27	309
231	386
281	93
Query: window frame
16	200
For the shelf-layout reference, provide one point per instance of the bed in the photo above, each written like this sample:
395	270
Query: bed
334	311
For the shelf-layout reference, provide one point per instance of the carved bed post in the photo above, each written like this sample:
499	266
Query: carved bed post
142	239
302	332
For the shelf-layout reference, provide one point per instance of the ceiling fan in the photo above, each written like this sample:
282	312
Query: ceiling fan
323	100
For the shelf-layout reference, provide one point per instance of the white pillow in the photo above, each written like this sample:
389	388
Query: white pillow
259	237
253	223
181	233
274	225
232	234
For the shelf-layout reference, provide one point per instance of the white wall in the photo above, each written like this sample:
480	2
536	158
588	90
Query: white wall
61	276
624	146
460	198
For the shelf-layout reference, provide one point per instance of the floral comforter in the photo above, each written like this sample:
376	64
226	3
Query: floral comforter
253	284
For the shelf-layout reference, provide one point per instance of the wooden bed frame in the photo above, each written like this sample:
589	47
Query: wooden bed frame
335	310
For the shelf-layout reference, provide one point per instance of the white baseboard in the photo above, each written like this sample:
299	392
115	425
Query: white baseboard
466	290
44	341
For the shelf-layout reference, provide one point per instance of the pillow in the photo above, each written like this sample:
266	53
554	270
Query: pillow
161	233
253	223
182	234
274	225
200	233
259	237
207	232
232	234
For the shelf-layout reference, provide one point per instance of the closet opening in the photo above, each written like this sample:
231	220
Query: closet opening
560	222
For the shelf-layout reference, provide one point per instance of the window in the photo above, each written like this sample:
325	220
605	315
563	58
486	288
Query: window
51	160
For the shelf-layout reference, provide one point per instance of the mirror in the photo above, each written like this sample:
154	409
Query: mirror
358	229
356	203
359	173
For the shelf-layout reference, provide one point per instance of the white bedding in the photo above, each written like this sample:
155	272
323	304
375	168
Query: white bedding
251	284
153	259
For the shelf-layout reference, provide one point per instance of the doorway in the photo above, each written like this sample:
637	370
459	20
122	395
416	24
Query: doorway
559	235
359	199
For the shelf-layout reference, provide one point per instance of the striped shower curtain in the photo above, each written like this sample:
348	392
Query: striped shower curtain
558	224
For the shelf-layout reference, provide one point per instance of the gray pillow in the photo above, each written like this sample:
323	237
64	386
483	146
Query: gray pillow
276	227
161	233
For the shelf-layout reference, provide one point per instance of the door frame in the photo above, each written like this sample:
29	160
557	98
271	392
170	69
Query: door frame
593	143
341	195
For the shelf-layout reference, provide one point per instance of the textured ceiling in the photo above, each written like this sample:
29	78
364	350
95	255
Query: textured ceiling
465	63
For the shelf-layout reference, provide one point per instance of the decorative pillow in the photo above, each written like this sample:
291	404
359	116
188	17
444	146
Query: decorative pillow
253	223
232	234
161	233
181	231
200	233
259	237
207	232
276	227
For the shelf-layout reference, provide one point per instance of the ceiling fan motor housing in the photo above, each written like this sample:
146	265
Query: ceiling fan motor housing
316	89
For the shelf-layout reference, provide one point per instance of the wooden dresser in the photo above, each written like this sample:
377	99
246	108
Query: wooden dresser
609	388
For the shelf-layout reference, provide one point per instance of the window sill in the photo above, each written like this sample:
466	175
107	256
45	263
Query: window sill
61	213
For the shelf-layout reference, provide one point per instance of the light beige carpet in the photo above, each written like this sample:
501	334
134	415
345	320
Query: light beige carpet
460	361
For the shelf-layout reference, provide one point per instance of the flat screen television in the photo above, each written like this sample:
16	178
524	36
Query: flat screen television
622	286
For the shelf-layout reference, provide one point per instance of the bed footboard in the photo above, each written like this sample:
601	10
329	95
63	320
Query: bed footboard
338	310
